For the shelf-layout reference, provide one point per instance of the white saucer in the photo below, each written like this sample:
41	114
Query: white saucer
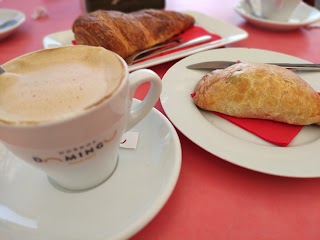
30	208
15	15
303	15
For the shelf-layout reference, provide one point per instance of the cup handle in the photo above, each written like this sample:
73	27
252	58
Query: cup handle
136	78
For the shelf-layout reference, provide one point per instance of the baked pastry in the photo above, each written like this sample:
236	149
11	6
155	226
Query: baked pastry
262	91
129	33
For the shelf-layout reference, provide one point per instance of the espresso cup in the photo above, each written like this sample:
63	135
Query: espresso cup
278	10
64	111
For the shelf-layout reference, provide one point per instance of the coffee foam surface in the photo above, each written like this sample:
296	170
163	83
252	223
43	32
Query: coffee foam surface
57	83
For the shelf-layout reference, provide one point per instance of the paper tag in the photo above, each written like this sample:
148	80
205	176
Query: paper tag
129	140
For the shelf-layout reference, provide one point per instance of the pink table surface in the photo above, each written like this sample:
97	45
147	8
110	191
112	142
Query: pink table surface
213	199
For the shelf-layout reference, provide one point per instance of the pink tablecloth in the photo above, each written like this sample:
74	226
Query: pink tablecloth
213	199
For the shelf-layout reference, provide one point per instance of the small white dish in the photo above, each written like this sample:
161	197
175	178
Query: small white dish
228	141
302	16
8	29
31	208
227	32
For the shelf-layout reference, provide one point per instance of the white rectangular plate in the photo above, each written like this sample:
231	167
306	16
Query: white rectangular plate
227	32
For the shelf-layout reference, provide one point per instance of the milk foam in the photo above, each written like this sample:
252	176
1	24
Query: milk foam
57	83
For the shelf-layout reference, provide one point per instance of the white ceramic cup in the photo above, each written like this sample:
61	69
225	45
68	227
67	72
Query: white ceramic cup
276	10
81	151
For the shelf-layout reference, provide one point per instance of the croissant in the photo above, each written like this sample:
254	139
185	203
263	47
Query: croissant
261	91
126	34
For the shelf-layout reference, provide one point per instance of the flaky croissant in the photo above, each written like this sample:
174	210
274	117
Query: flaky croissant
262	91
126	34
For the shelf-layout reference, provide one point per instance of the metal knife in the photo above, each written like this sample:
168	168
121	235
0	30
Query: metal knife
212	65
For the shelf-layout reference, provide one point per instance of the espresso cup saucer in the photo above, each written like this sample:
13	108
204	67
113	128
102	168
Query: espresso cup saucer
302	16
31	208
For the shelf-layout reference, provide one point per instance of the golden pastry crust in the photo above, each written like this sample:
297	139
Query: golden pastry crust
262	91
127	34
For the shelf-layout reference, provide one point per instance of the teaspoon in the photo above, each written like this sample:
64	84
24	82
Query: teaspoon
7	22
2	70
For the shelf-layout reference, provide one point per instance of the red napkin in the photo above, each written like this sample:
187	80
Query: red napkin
187	35
277	133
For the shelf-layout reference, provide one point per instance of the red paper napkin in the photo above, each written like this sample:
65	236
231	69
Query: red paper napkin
189	34
277	133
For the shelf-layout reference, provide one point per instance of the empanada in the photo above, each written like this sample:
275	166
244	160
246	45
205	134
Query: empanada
261	91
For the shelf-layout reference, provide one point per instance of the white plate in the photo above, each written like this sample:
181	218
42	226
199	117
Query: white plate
5	14
30	208
303	15
227	141
228	33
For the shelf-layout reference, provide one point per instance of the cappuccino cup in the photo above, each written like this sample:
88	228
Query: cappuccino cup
64	111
